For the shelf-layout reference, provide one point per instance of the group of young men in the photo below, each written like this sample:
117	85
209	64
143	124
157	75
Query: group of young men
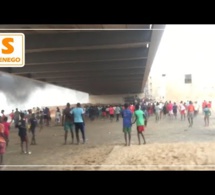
22	132
76	116
140	119
73	116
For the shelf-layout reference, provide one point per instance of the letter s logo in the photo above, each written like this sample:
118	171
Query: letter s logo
6	43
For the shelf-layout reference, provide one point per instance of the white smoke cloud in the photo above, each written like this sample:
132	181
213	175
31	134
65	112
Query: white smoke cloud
23	93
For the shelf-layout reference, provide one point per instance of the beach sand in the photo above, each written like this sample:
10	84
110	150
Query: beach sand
171	145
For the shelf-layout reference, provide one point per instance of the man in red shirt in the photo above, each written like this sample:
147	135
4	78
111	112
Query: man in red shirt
111	113
6	129
132	108
2	143
203	105
209	104
190	113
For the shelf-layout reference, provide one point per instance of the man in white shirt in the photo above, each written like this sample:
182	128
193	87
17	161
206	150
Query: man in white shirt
182	110
117	111
196	108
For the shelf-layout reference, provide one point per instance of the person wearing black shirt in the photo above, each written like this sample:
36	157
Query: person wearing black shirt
33	125
21	125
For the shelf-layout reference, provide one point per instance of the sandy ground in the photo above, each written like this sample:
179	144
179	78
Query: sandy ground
171	145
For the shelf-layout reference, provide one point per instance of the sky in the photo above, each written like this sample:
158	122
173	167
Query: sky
186	49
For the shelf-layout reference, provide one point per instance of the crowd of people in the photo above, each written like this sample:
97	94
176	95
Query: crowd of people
74	118
24	121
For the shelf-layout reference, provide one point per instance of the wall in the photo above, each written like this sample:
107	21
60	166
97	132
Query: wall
176	89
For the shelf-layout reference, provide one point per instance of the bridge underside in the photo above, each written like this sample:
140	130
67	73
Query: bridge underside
97	59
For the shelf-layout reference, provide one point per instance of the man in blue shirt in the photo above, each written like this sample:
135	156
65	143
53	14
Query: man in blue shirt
78	114
127	122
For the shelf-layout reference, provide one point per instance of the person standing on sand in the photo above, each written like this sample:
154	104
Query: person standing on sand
57	116
207	114
190	113
140	122
103	113
78	114
111	113
117	111
12	115
23	134
182	110
157	112
204	103
6	129
132	108
175	110
67	122
2	115
33	125
196	106
146	117
161	105
16	117
2	143
41	119
127	123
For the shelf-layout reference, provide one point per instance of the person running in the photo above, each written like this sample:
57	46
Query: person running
140	122
21	125
207	114
2	143
127	123
190	113
67	122
78	115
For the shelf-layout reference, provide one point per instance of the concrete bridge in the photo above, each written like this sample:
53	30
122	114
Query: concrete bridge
97	59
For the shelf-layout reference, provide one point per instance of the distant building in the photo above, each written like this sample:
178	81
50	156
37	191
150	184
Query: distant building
182	86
